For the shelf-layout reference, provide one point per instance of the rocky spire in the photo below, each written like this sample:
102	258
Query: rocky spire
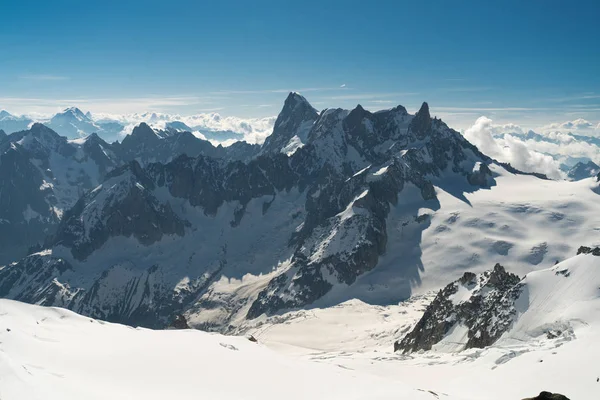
421	123
295	119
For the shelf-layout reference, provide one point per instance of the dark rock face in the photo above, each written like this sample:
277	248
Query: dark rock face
352	168
26	204
296	119
483	304
421	124
480	176
179	322
583	171
588	250
125	208
548	396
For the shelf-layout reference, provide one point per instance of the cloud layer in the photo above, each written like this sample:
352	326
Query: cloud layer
510	149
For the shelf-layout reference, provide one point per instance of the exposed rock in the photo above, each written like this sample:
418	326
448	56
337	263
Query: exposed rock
588	250
548	396
483	304
293	124
179	322
480	176
583	171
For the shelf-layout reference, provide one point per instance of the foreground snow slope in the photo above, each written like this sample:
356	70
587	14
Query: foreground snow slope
552	344
52	354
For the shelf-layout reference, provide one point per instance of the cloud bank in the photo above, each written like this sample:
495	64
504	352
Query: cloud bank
510	149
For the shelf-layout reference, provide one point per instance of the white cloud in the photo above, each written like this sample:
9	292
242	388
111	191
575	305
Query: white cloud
343	85
576	124
254	130
510	149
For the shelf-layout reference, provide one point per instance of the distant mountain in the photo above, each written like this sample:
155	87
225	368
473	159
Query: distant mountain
73	123
10	123
583	170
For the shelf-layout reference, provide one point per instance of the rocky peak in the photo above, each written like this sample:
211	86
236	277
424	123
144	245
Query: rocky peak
583	171
357	115
421	123
45	135
143	130
295	100
142	135
74	112
293	124
483	304
5	114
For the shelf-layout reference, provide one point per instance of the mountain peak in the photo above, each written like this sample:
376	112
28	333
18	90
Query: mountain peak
583	170
76	112
143	130
295	99
39	128
295	120
424	110
5	114
421	123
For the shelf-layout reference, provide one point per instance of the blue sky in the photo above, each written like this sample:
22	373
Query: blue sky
529	62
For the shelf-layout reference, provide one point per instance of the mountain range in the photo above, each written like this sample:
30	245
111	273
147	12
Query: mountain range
340	218
333	203
74	123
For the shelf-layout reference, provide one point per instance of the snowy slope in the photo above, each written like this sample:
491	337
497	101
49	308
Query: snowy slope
552	344
54	354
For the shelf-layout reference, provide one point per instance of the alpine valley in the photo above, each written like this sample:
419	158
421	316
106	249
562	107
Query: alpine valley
383	243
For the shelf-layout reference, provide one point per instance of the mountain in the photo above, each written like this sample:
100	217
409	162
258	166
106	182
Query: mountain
10	123
47	174
292	126
496	306
146	144
583	171
356	212
43	175
73	123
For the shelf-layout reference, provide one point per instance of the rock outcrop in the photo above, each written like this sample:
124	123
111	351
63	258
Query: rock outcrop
481	306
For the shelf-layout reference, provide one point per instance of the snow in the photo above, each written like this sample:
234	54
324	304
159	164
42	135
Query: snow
526	359
54	354
294	144
381	171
